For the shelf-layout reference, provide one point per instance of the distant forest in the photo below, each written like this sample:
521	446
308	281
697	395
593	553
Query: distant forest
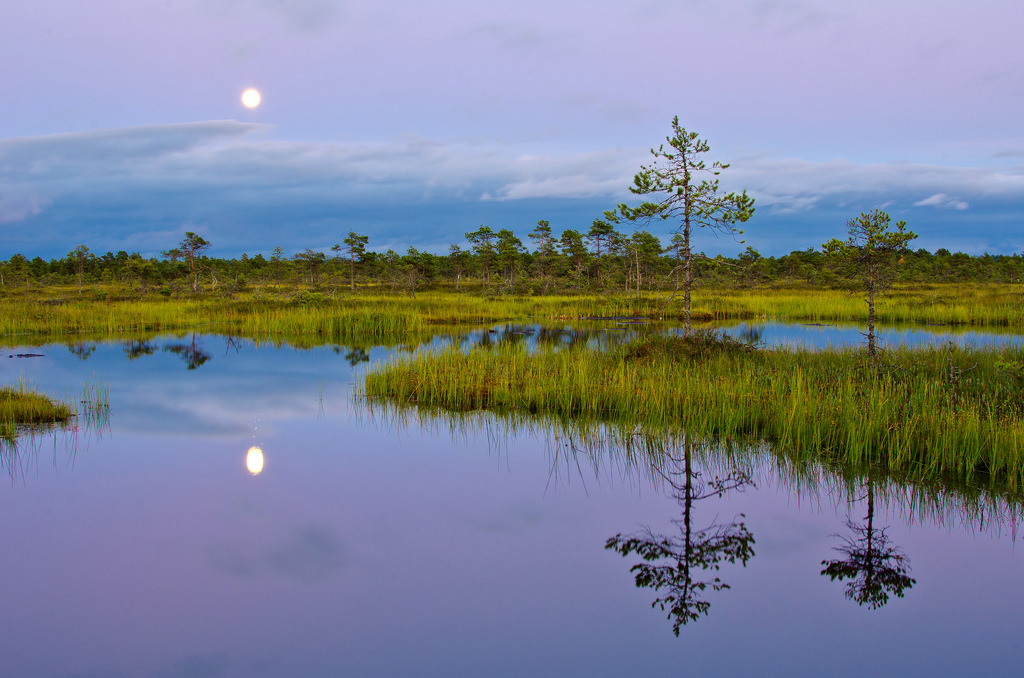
495	261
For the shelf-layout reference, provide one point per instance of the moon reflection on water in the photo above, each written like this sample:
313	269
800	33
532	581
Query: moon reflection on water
254	460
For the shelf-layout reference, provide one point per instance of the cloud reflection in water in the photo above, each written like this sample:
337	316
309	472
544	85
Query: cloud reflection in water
308	554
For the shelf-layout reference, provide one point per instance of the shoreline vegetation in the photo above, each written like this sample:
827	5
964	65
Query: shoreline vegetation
941	413
55	314
23	408
949	414
631	454
26	413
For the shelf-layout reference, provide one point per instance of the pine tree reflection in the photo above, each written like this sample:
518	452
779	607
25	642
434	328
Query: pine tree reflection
136	349
751	334
353	354
874	567
681	566
193	355
82	350
556	337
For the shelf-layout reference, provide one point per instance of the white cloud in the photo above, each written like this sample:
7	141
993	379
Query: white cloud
231	158
794	184
39	155
18	208
134	186
307	16
942	201
788	204
234	159
580	175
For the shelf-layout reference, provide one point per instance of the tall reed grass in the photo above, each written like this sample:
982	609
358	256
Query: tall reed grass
946	413
368	316
21	407
951	304
603	451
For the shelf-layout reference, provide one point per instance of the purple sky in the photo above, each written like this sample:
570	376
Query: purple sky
121	125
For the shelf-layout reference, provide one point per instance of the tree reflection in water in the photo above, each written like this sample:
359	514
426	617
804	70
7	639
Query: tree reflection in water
676	563
135	349
82	350
193	355
874	566
357	355
750	334
681	567
353	354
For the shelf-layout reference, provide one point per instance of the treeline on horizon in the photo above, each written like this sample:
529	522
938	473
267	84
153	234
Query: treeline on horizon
496	261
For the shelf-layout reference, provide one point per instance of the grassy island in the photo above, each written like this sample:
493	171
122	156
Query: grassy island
20	407
325	315
940	412
934	413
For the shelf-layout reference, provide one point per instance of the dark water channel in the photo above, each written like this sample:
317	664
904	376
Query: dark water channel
377	542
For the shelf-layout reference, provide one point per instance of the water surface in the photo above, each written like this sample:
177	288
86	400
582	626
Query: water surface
383	543
852	335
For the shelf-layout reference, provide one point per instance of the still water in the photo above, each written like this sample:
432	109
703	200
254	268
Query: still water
850	335
384	543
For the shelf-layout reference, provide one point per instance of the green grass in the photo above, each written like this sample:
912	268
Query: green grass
27	416
341	317
22	408
950	414
951	304
939	412
617	452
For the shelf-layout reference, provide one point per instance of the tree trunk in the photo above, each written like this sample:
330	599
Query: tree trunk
687	509
688	265
638	274
870	565
872	351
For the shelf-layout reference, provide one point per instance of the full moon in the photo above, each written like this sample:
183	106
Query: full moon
251	98
254	460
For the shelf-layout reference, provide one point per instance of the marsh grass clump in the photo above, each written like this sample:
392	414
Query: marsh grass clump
22	405
28	418
625	451
990	381
701	344
286	313
23	408
935	414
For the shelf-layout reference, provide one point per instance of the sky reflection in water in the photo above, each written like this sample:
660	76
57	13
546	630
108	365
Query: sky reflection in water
846	335
377	542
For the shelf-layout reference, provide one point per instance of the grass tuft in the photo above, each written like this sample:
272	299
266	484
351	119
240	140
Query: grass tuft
21	407
943	413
